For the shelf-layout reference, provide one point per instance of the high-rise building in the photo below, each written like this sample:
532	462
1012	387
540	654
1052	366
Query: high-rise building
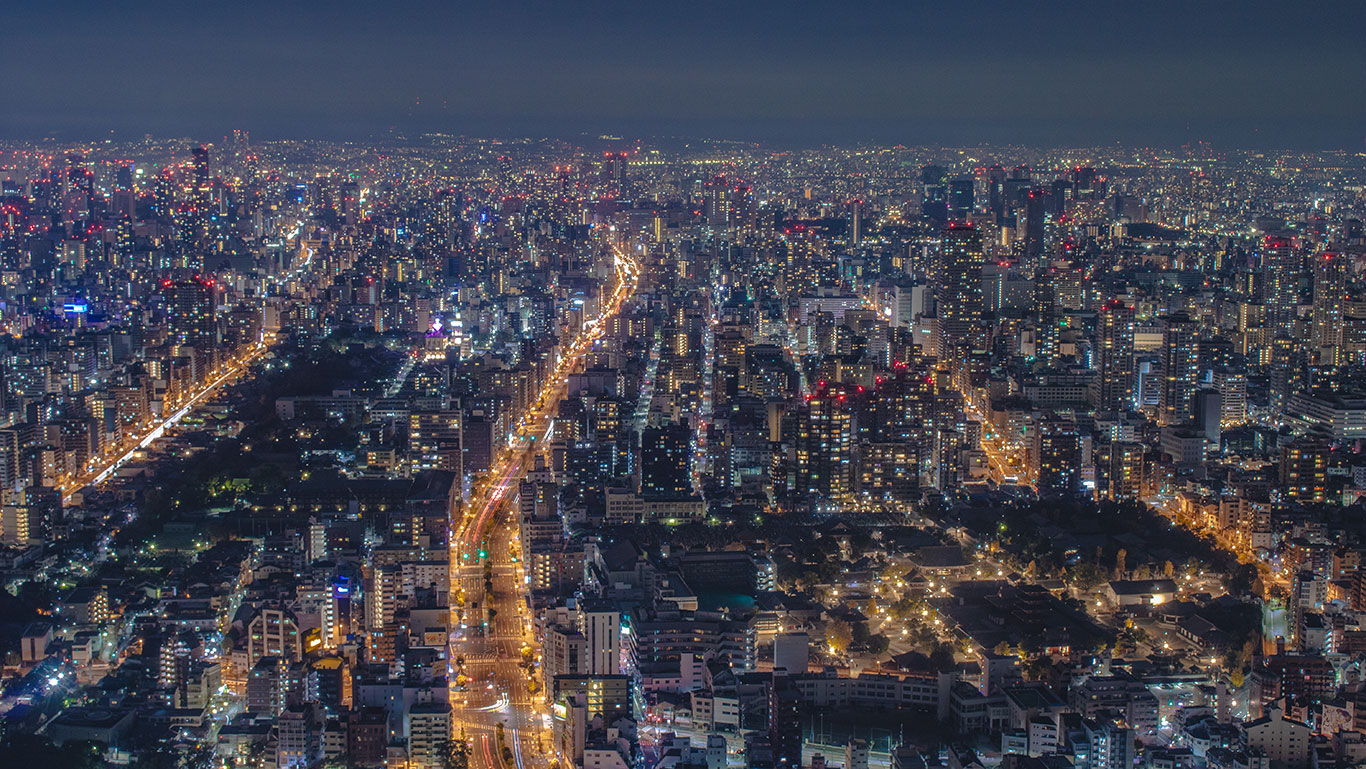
825	444
273	632
434	440
1035	207
300	736
1304	470
201	193
192	305
1125	475
1180	368
600	626
1232	389
665	460
785	722
958	282
1281	267
961	197
1055	453
1330	293
996	191
1115	359
563	652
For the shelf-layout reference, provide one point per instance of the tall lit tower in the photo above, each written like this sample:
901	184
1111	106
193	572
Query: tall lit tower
958	282
1281	271
1181	368
825	445
1116	356
1330	291
191	304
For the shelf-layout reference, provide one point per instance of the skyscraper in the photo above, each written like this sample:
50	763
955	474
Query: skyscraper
1035	206
1330	278
1180	368
958	282
191	305
1280	287
1115	359
825	445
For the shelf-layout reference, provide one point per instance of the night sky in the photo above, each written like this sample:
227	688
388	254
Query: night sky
1252	73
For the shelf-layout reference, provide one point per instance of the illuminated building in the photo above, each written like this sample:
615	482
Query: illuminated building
273	632
891	469
1115	359
429	734
434	440
824	445
1180	369
1281	267
1304	470
1330	292
665	458
1055	453
958	282
1126	470
192	305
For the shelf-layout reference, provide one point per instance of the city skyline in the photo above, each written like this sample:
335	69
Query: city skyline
622	385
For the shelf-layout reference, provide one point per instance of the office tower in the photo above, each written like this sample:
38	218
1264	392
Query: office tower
665	460
191	305
855	221
935	194
1281	269
1330	292
958	283
824	445
1180	368
1115	359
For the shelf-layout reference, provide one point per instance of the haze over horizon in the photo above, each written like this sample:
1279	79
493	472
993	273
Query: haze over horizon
1244	75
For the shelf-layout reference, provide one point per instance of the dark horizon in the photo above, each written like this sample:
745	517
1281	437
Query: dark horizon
786	136
1166	74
